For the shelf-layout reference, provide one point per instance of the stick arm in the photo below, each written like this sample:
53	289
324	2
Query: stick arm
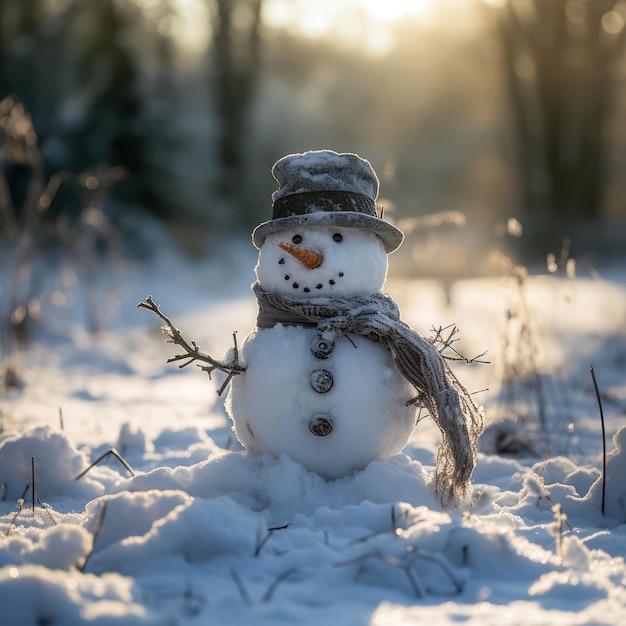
192	353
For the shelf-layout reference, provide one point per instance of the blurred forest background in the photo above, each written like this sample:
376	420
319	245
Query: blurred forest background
493	124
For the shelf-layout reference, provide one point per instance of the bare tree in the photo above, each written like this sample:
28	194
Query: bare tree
236	56
559	58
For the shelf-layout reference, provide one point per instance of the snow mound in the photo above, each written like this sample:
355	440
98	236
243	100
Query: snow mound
57	463
34	594
282	487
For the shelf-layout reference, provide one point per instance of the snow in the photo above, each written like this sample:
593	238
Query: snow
273	402
203	533
324	170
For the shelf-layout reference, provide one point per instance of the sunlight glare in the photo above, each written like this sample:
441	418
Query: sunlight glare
187	22
393	10
365	24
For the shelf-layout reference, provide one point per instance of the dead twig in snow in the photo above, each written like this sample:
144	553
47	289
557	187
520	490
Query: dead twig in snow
96	533
394	528
20	502
240	587
46	508
405	565
418	591
32	482
595	385
545	459
262	542
193	603
279	579
437	560
112	452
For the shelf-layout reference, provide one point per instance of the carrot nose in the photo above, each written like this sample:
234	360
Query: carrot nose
309	258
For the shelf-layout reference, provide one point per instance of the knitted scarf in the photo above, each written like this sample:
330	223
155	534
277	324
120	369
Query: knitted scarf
377	318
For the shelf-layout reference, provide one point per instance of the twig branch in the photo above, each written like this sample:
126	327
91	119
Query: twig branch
445	343
96	533
192	352
32	471
19	510
595	385
360	560
46	508
262	542
114	453
376	533
279	579
20	502
240	587
438	560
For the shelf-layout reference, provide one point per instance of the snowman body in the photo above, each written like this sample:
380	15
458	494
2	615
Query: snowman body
334	403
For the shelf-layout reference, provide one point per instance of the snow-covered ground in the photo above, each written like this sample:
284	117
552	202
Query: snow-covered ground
203	534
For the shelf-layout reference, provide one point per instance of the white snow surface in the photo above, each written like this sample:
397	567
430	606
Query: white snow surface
205	534
273	402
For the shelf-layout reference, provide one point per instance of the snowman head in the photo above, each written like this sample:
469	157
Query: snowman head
323	260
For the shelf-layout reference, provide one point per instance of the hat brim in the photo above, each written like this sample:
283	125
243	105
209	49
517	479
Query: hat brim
390	235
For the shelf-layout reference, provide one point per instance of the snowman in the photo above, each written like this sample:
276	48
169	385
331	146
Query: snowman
331	376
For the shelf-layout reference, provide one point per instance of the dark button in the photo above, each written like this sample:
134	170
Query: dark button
322	348
321	380
321	425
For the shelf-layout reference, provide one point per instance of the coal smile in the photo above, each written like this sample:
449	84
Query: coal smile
306	288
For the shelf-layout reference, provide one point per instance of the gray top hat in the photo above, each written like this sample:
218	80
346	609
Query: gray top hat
326	187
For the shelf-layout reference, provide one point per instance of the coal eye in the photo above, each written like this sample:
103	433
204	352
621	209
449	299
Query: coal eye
338	237
296	239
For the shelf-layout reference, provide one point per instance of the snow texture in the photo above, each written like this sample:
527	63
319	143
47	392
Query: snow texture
324	170
205	534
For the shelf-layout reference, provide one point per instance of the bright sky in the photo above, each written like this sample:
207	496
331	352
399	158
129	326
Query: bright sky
364	23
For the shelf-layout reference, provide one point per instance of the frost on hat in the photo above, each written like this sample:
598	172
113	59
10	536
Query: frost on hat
326	187
324	170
